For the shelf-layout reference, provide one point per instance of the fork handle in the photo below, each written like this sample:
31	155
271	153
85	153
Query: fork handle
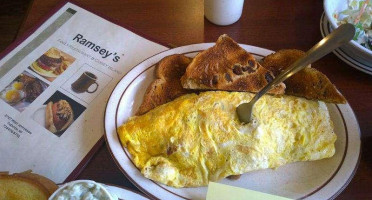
337	38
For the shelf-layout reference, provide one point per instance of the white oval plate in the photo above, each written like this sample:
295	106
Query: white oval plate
323	179
39	115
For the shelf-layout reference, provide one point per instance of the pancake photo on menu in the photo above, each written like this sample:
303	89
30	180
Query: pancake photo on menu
58	113
22	91
52	63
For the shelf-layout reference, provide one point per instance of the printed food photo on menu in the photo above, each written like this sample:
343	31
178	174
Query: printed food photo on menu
58	113
22	91
52	63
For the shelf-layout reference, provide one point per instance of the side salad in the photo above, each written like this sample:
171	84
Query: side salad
359	13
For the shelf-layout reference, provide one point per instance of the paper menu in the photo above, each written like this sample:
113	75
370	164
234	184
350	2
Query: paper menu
71	63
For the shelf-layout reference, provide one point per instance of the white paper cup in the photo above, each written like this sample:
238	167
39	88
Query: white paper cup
223	12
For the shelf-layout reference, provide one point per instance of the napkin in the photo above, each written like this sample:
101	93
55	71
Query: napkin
218	191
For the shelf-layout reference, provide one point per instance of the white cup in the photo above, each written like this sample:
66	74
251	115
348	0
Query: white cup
223	12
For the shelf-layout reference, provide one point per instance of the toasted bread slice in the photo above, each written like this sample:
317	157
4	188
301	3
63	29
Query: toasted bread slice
227	66
167	86
308	83
25	186
47	183
282	59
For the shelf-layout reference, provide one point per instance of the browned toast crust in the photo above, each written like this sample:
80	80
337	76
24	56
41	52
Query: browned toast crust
308	83
47	183
41	183
315	86
167	86
281	59
227	66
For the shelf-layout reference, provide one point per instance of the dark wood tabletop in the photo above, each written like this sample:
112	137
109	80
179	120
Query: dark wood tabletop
269	24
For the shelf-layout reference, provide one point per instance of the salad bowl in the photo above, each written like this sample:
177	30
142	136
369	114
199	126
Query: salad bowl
342	11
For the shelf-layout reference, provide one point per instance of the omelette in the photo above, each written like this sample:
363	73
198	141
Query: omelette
199	138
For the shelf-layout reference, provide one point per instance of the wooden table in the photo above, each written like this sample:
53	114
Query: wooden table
269	24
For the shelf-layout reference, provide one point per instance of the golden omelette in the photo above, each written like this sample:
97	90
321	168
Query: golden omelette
199	138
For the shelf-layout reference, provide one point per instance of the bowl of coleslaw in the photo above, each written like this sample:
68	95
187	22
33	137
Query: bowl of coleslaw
358	13
83	190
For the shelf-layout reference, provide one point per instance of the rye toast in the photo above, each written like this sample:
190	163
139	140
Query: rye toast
227	66
308	83
167	85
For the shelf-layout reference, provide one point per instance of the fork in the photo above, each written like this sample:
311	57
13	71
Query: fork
337	38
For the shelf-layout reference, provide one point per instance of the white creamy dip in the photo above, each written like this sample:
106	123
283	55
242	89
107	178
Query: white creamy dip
82	190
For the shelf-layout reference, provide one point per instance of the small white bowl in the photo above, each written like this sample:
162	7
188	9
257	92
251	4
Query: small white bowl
353	49
104	189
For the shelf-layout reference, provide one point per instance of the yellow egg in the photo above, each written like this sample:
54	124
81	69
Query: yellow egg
199	138
12	96
17	85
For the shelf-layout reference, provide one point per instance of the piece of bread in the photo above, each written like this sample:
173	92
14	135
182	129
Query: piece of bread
308	83
25	186
167	86
227	66
49	118
282	59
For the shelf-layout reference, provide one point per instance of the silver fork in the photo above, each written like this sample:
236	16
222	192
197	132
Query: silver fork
337	38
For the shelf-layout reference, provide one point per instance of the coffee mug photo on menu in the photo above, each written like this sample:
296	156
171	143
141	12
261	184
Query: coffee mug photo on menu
87	82
58	113
52	63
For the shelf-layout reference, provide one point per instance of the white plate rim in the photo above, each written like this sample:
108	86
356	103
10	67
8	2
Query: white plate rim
325	29
125	190
350	122
43	107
